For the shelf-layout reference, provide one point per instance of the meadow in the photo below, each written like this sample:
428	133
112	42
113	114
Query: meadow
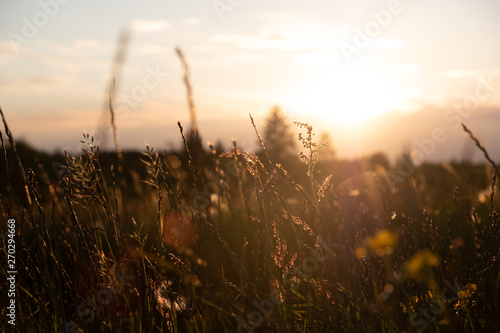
212	240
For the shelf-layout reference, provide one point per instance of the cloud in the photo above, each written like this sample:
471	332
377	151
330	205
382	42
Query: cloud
148	26
86	43
45	81
461	73
283	42
192	22
271	42
231	58
153	49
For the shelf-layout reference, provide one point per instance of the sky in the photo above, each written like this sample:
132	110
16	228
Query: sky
376	75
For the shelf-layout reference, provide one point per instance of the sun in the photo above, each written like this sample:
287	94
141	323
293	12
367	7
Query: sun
348	96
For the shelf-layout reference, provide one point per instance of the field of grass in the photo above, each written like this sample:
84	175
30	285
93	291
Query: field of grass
204	240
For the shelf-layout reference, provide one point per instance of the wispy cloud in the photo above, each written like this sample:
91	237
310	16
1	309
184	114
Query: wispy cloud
153	49
463	73
191	22
149	26
86	43
272	42
283	42
48	82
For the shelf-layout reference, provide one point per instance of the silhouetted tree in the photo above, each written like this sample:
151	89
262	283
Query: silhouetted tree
277	136
379	160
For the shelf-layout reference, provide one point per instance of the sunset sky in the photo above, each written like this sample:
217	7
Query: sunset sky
377	75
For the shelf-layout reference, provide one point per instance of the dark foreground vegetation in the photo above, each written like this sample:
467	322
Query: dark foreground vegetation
206	240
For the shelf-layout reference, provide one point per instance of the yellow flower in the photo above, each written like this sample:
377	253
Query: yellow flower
382	243
420	263
463	294
472	287
467	293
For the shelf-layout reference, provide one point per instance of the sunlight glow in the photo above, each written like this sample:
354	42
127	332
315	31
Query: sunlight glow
349	95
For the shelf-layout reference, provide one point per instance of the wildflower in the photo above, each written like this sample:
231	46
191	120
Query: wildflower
323	187
472	287
420	263
382	243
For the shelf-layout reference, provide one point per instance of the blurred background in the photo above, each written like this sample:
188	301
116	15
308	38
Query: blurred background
376	75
